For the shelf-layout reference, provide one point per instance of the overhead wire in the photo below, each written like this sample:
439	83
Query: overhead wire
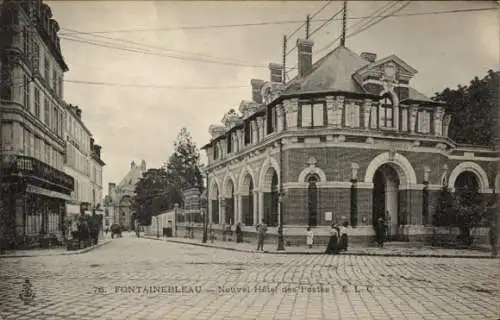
110	45
273	22
158	47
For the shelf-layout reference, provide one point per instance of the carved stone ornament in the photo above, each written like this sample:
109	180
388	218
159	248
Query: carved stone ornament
216	130
312	162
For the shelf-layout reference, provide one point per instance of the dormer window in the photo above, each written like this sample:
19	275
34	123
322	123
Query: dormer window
229	143
216	151
386	112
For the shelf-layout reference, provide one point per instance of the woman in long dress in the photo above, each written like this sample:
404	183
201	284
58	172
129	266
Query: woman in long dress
333	243
309	237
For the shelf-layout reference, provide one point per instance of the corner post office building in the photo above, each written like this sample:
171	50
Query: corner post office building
348	138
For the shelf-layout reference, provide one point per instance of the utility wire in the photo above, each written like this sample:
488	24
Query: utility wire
384	8
276	22
325	23
155	47
142	51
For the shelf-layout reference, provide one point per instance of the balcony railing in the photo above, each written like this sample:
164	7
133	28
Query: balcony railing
28	166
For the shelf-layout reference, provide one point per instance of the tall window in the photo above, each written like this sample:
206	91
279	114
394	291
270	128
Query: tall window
46	112
46	65
318	114
216	151
26	87
246	130
36	57
312	199
352	115
386	114
26	41
424	121
229	143
305	116
37	103
271	120
55	118
60	91
54	80
312	115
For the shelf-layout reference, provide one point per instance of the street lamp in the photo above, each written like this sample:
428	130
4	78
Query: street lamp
204	210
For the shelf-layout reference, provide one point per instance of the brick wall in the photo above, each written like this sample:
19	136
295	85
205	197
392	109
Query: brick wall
296	210
365	198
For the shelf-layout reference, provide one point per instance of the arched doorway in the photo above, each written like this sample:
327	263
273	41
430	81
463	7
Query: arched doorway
312	200
247	201
467	188
270	189
386	197
214	200
229	203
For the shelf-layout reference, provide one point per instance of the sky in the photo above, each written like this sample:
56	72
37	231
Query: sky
142	121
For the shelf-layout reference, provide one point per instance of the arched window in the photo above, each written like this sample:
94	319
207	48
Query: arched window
386	112
312	199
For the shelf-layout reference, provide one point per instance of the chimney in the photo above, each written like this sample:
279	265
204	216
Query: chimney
97	150
256	87
369	56
143	165
276	72
92	143
133	165
78	112
304	48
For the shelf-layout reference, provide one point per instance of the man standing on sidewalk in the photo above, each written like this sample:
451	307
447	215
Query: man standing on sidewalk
261	234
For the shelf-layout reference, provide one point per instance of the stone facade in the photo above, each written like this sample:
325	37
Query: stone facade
351	145
118	202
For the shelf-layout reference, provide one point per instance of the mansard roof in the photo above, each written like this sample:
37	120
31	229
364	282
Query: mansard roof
333	72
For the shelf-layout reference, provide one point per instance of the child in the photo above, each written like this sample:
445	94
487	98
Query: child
309	237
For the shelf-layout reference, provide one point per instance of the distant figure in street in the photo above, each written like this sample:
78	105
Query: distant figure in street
261	233
343	236
106	230
333	243
309	237
211	233
239	233
224	232
493	235
380	231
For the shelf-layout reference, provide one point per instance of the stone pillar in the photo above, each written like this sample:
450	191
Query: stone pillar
222	210
262	128
255	207
253	125
395	120
367	105
413	118
340	110
238	208
438	121
280	126
260	213
291	108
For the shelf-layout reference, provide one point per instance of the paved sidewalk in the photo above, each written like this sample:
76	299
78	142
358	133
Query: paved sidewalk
389	249
59	251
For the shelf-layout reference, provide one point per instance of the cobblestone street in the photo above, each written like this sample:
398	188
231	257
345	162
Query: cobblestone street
134	278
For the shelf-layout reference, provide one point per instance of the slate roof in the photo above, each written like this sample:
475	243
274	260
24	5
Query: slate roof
333	72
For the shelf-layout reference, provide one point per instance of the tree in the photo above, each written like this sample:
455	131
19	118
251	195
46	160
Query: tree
151	195
474	110
183	166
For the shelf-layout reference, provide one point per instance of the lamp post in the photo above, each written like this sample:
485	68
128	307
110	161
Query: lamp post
204	210
281	240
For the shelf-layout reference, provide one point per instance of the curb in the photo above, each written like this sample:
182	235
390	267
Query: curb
64	253
343	253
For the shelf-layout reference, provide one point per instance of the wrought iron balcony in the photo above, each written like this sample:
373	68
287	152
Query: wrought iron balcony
16	165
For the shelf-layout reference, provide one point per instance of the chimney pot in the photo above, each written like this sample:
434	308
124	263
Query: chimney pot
276	72
257	85
369	56
304	48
